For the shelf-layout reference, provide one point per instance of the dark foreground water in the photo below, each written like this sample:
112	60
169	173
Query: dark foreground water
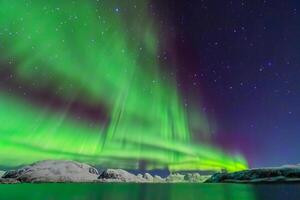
149	192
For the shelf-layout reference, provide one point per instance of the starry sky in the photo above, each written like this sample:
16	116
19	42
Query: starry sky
216	80
242	59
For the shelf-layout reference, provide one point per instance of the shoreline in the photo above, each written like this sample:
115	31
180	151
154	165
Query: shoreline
61	171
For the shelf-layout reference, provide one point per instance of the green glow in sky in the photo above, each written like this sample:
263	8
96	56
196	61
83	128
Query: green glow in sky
93	52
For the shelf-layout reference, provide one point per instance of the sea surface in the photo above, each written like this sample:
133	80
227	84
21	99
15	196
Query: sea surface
115	191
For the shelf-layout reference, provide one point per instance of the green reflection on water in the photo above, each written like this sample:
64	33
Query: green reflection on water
127	192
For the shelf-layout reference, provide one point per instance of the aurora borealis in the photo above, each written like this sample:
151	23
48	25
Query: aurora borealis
81	80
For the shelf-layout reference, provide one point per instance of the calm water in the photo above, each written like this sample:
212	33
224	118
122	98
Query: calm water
149	192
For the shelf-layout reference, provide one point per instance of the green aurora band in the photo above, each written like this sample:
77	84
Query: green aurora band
88	52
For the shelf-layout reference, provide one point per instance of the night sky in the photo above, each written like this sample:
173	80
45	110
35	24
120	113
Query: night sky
242	59
139	72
